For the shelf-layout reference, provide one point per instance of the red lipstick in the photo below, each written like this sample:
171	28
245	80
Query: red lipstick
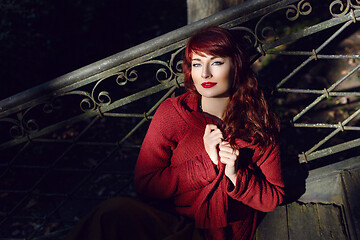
208	84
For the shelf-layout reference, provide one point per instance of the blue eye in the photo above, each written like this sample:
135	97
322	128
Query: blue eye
218	63
196	64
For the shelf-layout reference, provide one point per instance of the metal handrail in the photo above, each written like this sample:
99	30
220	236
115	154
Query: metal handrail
127	58
169	42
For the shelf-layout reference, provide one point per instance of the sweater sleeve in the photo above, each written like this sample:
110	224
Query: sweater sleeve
155	176
261	188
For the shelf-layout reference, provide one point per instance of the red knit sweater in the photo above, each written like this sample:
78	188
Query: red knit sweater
173	165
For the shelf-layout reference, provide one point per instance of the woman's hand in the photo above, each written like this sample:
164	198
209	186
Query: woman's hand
212	138
228	155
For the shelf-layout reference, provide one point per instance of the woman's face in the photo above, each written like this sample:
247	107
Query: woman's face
212	75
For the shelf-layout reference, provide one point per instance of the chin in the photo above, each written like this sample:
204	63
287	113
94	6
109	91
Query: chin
213	94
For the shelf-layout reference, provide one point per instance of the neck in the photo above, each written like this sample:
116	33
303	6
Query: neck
215	106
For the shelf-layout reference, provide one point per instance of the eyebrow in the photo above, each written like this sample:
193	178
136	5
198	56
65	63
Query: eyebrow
198	59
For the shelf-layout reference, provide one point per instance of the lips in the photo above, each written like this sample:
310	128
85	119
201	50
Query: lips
208	84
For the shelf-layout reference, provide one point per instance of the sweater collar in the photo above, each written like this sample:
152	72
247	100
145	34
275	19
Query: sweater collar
188	105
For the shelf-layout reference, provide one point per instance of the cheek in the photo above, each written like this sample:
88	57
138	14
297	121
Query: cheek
226	77
230	76
195	76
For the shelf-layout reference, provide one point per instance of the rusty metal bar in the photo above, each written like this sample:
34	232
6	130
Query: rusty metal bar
337	130
325	125
311	91
319	56
317	50
324	95
329	151
126	115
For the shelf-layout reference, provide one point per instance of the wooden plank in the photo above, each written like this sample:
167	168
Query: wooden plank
273	226
303	222
331	222
297	221
351	188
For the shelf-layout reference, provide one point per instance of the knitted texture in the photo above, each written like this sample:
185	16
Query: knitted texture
174	166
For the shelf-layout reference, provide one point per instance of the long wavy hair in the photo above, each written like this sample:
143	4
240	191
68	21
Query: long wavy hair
247	116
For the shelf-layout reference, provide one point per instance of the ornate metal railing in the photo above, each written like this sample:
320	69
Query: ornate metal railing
76	137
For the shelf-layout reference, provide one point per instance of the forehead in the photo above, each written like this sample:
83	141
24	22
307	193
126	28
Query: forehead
201	56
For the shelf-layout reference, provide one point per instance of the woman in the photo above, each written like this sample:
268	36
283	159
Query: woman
210	159
212	152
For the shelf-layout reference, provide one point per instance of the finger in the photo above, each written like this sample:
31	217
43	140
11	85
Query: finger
223	160
231	151
228	155
225	146
236	152
213	139
227	161
209	128
225	143
216	135
213	142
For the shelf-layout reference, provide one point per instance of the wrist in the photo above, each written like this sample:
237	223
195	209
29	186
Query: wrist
214	158
232	178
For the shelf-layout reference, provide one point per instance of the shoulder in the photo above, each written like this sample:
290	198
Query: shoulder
169	117
174	106
169	107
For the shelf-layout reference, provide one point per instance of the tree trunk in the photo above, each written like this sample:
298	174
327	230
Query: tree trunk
199	9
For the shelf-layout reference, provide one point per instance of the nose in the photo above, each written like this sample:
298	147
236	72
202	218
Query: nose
205	72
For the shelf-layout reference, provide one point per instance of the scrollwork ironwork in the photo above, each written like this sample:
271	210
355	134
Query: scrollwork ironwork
24	125
343	7
51	106
21	127
176	67
104	97
168	70
86	104
302	8
125	77
260	35
29	125
162	75
131	75
15	131
249	36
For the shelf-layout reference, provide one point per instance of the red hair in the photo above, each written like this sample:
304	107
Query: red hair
247	116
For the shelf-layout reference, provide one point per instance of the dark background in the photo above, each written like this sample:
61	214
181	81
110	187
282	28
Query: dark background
41	39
